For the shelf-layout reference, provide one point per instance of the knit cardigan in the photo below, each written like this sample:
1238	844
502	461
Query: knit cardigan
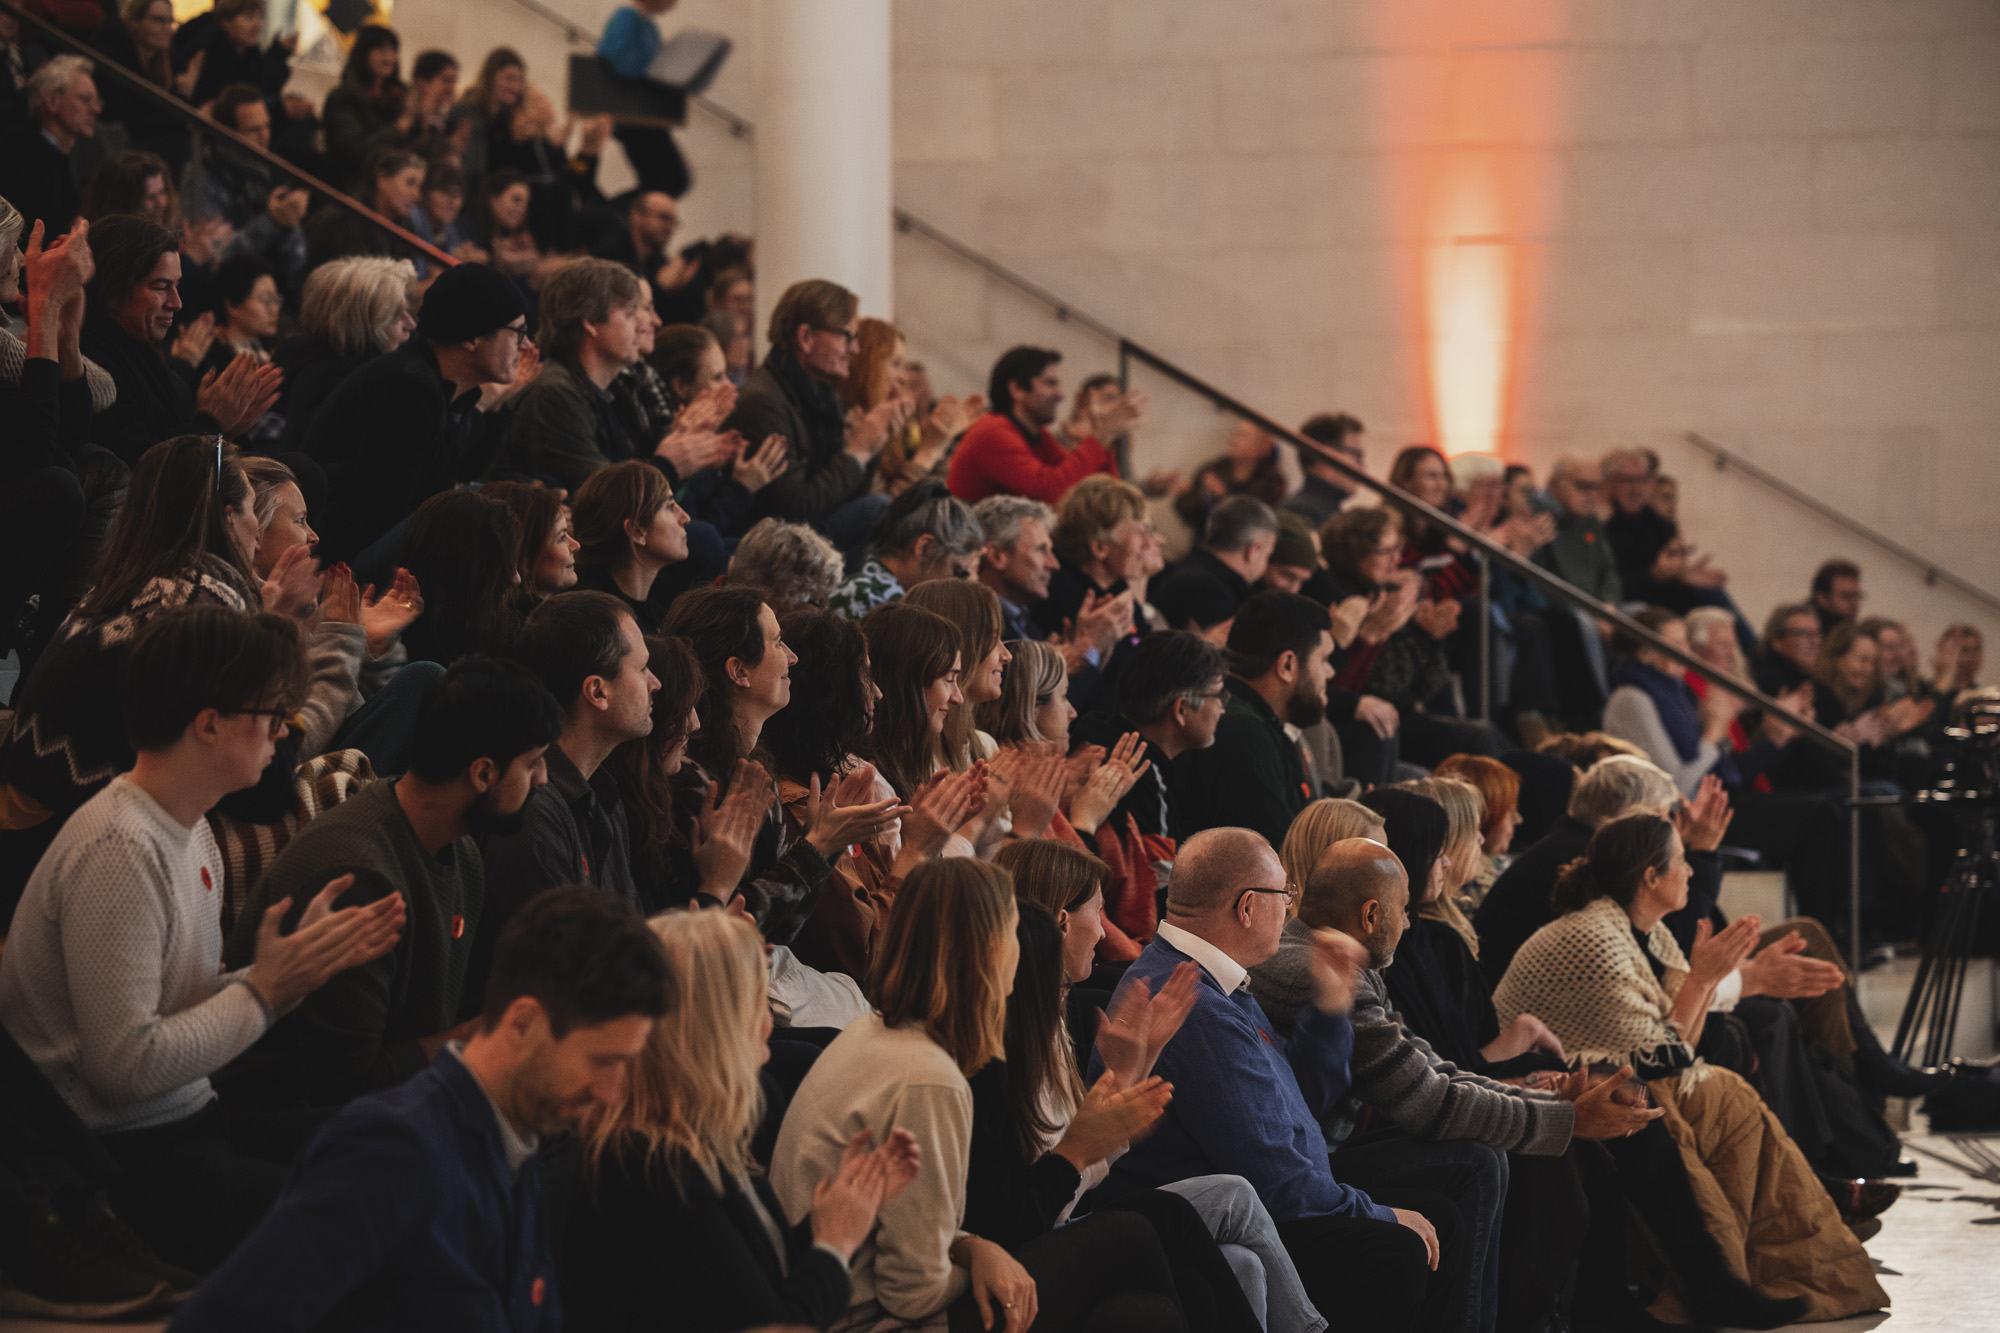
1397	1073
1585	976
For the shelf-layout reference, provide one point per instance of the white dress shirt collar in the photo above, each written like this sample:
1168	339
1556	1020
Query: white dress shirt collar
1228	973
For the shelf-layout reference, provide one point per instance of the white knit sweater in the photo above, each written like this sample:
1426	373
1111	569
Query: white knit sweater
112	977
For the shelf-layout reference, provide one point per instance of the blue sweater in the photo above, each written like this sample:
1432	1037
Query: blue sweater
1245	1102
630	41
402	1215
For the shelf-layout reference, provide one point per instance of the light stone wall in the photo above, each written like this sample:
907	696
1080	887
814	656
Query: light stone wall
1776	222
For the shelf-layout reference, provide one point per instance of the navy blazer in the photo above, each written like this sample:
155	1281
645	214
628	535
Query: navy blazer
401	1215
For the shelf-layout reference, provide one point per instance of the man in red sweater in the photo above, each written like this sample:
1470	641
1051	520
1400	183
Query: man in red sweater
1010	451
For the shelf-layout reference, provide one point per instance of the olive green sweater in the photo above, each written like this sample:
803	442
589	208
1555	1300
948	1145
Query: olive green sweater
362	1030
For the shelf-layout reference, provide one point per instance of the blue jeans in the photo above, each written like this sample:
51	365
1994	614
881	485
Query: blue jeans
1249	1240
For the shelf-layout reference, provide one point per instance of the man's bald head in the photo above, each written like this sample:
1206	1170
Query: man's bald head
1358	887
1214	866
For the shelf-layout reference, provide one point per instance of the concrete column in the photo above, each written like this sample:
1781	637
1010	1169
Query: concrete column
823	176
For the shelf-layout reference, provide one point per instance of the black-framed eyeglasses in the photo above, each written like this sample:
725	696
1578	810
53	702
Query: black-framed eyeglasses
520	333
849	335
1207	695
1288	893
280	717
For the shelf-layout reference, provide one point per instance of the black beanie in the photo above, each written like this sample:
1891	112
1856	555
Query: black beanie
468	301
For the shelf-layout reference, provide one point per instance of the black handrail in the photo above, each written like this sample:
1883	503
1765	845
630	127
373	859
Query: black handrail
1933	572
203	125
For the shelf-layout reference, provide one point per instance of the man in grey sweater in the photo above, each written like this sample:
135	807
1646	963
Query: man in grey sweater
1442	1120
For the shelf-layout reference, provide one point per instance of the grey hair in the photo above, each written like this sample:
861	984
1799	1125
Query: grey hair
788	562
944	518
353	302
1619	783
583	291
1001	516
1236	521
52	78
11	223
267	476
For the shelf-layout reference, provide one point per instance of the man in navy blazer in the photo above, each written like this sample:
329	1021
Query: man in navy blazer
1248	1103
420	1208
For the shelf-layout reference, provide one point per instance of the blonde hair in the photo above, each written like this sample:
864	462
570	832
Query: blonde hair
937	966
695	1089
354	302
1464	812
1026	683
1318	827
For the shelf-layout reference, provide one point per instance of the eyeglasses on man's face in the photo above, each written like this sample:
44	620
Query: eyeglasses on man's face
1288	893
847	336
278	717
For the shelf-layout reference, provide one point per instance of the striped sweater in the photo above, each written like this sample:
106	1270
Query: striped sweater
1398	1074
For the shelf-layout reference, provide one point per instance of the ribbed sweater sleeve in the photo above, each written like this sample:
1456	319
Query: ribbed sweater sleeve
1631	716
334	656
1399	1074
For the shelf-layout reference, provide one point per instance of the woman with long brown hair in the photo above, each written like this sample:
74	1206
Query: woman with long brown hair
915	659
940	982
368	110
629	529
545	557
672	1210
878	372
974	609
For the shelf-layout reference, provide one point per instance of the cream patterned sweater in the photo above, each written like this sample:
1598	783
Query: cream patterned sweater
1585	976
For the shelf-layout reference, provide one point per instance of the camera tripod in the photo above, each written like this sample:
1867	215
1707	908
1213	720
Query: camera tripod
1930	1016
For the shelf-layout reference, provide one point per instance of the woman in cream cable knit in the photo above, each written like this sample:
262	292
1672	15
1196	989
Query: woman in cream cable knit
1611	983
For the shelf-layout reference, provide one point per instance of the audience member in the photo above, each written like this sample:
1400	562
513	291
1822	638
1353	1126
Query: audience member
939	984
1171	691
1248	1103
126	1009
136	183
1204	591
563	428
224	183
475	758
421	1207
1010	451
924	534
1836	593
1653	707
1614	986
545	558
38	177
628	529
1295	557
974	609
230	52
1655	563
1039	1141
587	651
1248	465
368	111
919	449
415	422
1324	488
351	311
916	660
185	535
132	302
1499	789
138	34
1253	776
673	1207
788	562
792	394
463	548
1106	546
392	186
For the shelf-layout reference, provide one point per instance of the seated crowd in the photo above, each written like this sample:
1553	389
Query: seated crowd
514	813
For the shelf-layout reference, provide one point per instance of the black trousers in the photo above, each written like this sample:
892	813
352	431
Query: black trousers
1104	1274
1364	1274
1461	1188
194	1188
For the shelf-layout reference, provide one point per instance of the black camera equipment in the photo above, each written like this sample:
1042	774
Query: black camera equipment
1968	784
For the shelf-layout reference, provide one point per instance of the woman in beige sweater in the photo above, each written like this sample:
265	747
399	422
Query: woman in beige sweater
1609	981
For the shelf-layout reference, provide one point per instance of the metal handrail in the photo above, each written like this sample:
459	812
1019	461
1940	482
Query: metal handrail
1933	572
203	125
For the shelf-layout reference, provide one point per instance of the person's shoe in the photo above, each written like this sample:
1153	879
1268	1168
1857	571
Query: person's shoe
68	1278
90	1217
1864	1228
1862	1198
